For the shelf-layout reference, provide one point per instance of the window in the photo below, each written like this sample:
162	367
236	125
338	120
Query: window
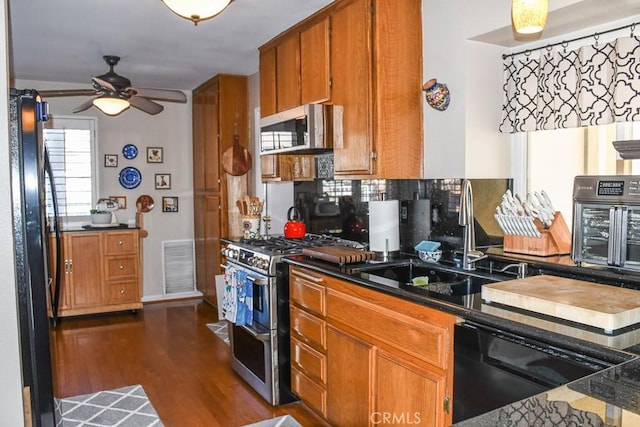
336	189
70	143
369	189
556	157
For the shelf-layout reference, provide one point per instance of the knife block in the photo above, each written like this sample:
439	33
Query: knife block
555	240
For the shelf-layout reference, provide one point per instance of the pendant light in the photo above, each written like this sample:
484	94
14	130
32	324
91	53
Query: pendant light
197	10
529	16
111	105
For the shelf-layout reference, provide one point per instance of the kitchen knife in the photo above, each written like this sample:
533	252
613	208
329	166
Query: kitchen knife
547	200
501	224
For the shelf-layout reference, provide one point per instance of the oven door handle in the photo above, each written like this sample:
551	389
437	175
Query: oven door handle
260	336
260	281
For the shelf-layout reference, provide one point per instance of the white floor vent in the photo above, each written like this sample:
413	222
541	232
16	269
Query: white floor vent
178	262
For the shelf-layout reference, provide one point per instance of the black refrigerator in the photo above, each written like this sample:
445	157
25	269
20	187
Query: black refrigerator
35	288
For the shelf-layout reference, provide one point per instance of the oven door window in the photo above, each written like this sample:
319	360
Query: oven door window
250	352
632	252
595	227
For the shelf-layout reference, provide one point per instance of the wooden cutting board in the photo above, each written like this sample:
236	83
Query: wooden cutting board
601	306
338	254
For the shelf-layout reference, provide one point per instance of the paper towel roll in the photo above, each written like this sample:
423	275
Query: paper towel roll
384	224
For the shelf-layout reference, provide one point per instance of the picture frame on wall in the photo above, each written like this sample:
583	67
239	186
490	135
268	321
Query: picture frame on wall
122	201
163	181
154	154
110	160
170	204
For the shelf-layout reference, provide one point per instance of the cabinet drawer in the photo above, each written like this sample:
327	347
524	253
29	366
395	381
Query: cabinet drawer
118	268
310	361
308	292
310	392
310	328
121	293
120	243
428	341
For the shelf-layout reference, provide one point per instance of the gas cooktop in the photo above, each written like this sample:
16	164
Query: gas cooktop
280	245
262	254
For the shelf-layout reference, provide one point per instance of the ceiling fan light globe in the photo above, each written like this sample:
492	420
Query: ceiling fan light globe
197	10
529	16
111	106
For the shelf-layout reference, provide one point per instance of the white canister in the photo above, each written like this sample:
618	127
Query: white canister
250	226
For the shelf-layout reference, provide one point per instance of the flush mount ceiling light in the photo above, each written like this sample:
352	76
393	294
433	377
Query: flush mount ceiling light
197	10
529	16
111	105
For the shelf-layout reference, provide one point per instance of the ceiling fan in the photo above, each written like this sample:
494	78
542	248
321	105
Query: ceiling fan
115	94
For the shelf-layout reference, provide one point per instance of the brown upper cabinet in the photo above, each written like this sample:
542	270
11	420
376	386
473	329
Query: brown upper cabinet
294	68
268	82
288	72
315	60
365	58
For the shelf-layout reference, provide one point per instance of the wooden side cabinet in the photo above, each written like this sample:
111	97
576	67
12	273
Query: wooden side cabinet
220	110
100	272
359	355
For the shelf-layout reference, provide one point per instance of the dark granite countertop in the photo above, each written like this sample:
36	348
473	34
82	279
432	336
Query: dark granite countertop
587	397
607	398
89	227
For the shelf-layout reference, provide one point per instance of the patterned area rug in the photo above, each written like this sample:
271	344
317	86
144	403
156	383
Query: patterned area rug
220	329
283	421
123	407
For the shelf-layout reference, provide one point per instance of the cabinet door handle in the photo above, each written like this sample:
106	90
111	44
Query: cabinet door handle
70	266
121	243
121	291
122	267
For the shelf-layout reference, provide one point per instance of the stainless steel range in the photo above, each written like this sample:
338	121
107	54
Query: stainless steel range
260	344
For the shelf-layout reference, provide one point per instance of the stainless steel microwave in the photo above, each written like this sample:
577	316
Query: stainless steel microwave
307	127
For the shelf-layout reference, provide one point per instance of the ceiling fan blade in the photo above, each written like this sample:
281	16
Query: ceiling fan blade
161	94
66	92
84	106
105	84
145	105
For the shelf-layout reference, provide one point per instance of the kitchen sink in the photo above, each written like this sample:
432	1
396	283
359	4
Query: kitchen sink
441	280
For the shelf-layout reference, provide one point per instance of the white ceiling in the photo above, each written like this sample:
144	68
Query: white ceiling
64	40
567	19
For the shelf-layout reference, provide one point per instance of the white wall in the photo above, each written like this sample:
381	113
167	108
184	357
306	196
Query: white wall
171	130
11	410
463	141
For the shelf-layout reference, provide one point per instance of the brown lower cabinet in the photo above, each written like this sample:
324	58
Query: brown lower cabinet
361	357
100	272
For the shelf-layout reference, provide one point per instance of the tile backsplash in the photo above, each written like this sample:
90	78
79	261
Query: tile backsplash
428	209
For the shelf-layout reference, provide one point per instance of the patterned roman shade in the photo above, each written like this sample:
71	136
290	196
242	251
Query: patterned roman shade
592	85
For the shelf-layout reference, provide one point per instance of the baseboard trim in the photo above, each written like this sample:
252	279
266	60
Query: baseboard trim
172	297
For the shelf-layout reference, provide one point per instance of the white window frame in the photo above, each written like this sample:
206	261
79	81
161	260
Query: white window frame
86	123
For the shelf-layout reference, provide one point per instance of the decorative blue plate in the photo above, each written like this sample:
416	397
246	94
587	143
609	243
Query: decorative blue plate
129	151
130	177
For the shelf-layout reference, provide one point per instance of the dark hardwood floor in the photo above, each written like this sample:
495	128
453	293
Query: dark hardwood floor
168	349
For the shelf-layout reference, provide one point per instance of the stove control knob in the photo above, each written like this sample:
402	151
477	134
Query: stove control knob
252	260
230	253
261	263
